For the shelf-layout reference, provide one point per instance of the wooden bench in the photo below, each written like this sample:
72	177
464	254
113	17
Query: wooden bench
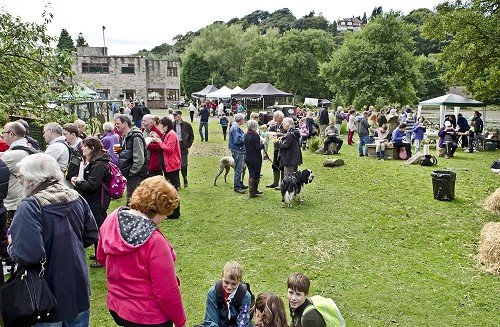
390	151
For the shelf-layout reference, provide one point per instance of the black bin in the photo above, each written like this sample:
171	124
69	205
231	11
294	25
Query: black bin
443	185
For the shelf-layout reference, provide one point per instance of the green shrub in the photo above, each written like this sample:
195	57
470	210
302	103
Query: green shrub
314	144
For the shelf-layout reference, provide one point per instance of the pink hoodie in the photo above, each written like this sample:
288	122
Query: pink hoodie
142	284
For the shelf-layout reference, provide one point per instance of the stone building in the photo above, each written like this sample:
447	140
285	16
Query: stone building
156	82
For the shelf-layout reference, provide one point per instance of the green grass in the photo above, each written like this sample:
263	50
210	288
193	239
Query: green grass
369	234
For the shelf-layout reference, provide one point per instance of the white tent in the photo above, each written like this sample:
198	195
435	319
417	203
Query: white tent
222	93
454	100
236	90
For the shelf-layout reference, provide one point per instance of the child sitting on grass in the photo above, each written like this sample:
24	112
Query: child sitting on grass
229	301
298	291
269	311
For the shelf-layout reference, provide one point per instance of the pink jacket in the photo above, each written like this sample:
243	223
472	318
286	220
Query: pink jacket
142	284
171	151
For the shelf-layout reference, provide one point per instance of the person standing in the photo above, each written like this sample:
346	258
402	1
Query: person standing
192	110
109	139
351	126
137	114
236	145
276	126
253	158
291	156
95	173
171	151
149	129
463	128
185	135
143	287
204	115
223	124
4	186
53	225
364	134
132	160
419	130
323	121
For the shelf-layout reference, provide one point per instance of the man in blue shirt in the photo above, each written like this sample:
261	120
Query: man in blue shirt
236	145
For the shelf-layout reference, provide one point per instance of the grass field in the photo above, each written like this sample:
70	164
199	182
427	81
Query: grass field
369	234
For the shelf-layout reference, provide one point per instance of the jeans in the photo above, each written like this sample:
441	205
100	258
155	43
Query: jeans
203	124
363	140
138	123
81	320
239	158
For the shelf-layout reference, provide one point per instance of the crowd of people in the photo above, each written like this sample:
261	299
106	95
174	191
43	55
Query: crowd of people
47	215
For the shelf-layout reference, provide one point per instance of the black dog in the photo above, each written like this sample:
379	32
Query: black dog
292	184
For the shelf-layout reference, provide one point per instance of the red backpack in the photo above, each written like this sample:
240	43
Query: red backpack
117	182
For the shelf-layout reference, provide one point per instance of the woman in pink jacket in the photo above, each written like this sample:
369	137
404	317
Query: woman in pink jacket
143	288
171	150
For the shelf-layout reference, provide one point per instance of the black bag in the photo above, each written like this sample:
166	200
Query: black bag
74	160
496	164
26	299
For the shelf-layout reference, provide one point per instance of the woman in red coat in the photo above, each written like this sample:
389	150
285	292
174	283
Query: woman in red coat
171	150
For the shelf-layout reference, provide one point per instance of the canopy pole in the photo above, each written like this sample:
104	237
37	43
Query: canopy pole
419	111
442	110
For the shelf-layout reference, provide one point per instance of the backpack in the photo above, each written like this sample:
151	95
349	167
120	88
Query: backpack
74	161
28	149
117	182
328	310
238	297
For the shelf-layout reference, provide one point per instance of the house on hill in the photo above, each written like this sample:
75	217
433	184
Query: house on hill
156	82
349	24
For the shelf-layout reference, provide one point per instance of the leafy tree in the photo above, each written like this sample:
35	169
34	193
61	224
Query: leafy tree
364	19
299	55
472	57
253	19
32	71
429	83
194	75
312	22
281	19
65	41
422	45
377	11
376	62
80	41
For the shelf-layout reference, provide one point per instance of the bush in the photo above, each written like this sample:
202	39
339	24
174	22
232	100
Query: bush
314	144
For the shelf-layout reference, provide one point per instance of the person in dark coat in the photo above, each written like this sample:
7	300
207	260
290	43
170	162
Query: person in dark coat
95	173
137	114
291	156
53	224
253	158
4	187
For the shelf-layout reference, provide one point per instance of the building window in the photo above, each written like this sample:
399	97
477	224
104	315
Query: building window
129	94
172	94
128	69
155	94
172	71
95	68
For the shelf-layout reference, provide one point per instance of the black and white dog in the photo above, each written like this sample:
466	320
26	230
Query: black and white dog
292	185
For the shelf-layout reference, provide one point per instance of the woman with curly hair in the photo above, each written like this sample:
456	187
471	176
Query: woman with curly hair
143	288
269	311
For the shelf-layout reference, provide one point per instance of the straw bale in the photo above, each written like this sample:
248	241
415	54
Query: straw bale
489	248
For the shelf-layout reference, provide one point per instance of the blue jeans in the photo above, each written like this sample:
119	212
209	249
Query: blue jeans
138	123
363	140
81	320
239	158
203	124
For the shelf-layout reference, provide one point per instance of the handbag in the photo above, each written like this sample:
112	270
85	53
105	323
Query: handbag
26	299
402	153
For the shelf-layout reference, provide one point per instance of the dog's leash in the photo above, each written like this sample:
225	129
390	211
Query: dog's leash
272	162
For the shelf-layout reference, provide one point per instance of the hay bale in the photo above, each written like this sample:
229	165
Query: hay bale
492	203
489	248
333	162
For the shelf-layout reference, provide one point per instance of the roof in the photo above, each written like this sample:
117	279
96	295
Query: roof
209	88
452	100
259	90
224	92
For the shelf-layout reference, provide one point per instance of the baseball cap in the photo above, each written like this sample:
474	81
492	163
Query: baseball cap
447	123
177	112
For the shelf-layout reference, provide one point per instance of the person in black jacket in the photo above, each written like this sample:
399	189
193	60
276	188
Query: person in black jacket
298	291
253	158
4	187
291	156
96	172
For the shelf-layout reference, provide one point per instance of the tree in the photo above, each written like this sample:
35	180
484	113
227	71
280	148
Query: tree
376	62
472	57
429	83
418	17
364	19
80	41
32	71
377	11
194	75
65	41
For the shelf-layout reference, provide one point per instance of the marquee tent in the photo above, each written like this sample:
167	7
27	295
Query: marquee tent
222	93
202	94
261	90
454	100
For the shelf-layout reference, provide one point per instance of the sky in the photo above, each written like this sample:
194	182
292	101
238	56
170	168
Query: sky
133	25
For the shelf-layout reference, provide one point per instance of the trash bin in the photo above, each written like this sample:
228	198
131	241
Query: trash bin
443	185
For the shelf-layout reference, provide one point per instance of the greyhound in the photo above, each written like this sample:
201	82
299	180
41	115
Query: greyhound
227	163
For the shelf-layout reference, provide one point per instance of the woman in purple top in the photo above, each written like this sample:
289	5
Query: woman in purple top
109	139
